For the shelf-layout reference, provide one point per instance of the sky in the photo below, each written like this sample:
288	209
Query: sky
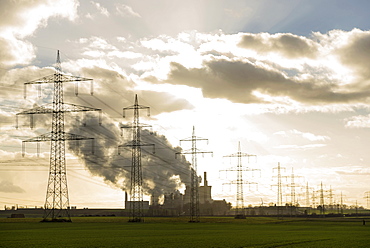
289	80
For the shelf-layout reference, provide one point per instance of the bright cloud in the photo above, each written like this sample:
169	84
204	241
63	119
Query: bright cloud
126	11
101	9
359	121
305	135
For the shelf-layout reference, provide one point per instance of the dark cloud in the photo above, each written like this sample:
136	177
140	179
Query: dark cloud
237	80
165	102
288	45
355	54
115	91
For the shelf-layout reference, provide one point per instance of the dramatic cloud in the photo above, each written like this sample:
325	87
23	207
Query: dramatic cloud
238	81
21	19
354	53
288	45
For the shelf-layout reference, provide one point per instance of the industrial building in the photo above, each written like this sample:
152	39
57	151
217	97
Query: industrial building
178	204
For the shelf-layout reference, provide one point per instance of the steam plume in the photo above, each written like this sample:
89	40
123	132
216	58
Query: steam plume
162	172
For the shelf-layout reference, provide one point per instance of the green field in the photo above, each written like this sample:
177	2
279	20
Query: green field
177	232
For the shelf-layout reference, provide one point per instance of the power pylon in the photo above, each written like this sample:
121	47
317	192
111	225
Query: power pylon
367	197
341	202
240	212
136	186
307	196
279	201
194	184
57	200
322	203
292	186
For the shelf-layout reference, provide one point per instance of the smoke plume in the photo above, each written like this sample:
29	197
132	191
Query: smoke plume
162	171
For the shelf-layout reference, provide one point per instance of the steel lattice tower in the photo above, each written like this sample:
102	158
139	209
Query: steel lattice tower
194	184
240	213
367	197
279	185
57	200
136	187
307	195
322	203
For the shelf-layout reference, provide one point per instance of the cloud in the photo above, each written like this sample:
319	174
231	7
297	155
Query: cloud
359	121
126	11
305	135
101	9
237	81
9	187
354	53
20	19
165	102
300	147
114	91
288	45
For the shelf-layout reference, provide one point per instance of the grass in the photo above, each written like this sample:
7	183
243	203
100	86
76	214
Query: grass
177	232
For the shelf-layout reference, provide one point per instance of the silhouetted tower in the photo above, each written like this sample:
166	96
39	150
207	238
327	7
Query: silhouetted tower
314	197
279	202
279	185
194	184
292	186
240	213
341	202
307	195
57	200
136	187
322	203
367	197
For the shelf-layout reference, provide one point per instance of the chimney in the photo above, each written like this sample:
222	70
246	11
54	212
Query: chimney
205	179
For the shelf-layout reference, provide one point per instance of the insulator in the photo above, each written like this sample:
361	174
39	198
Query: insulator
31	121
38	149
39	91
23	149
93	146
100	117
25	91
76	88
92	88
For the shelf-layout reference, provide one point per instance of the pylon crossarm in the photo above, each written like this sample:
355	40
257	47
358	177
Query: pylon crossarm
136	107
193	139
63	78
50	137
71	136
195	151
240	154
69	107
38	110
132	145
134	125
240	169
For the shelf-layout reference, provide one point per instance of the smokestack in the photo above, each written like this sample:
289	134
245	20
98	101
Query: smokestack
205	179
